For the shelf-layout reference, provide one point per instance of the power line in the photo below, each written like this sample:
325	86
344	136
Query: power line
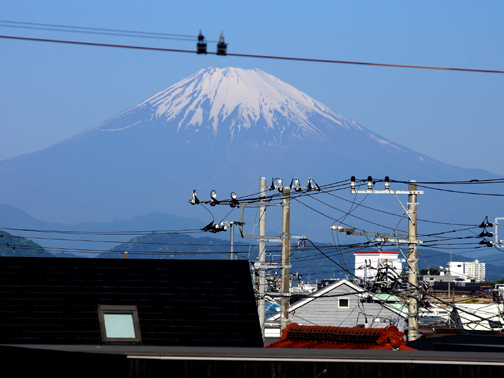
464	182
106	233
98	44
462	192
251	55
340	185
101	31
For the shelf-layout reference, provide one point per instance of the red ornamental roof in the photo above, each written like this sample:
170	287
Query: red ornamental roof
321	337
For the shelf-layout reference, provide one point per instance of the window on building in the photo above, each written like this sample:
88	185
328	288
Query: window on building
119	324
343	302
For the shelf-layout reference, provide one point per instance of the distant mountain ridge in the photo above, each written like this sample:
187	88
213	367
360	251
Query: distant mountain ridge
12	245
173	246
168	245
179	246
89	238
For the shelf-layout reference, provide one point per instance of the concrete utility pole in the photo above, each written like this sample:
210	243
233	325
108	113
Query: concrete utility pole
286	237
262	252
411	240
231	242
261	266
231	237
498	243
412	262
449	275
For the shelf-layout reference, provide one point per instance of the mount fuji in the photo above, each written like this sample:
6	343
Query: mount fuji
236	107
218	129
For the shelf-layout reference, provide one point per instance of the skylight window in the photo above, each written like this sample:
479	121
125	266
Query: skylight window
119	324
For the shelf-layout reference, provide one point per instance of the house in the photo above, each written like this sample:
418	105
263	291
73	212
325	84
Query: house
80	301
340	304
50	325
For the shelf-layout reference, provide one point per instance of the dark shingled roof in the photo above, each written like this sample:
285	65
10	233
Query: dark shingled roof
179	302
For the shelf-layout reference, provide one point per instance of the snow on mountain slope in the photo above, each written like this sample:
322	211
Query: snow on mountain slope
255	94
238	99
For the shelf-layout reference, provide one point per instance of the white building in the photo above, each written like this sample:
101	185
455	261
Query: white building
456	270
367	263
475	271
467	270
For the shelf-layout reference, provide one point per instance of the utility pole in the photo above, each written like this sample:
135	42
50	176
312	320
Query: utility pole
286	237
412	262
231	242
449	275
411	240
498	243
262	252
261	266
231	237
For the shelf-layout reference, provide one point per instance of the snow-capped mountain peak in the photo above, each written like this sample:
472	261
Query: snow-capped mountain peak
228	101
215	94
238	98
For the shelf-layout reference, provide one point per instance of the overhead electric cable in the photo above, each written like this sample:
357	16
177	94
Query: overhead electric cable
461	192
105	233
465	182
19	23
99	31
250	55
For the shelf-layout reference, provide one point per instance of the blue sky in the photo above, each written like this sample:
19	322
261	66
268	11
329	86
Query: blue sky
50	92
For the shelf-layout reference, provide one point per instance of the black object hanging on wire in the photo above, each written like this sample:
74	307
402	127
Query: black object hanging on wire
221	46
201	45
